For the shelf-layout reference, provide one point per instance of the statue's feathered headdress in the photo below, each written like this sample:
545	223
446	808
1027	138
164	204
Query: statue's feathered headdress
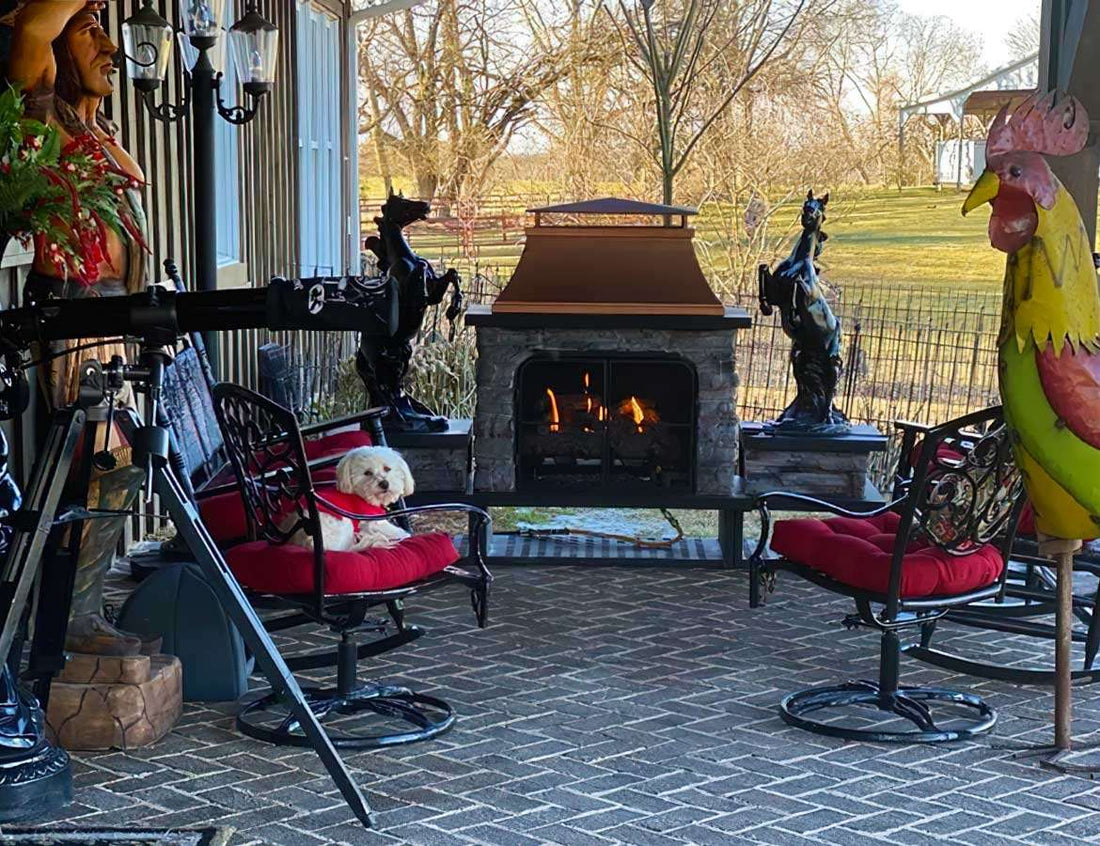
1054	125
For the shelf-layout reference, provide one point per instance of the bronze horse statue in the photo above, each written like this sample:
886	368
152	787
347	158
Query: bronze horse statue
383	362
807	320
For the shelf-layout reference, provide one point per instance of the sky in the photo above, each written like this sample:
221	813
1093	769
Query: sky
991	19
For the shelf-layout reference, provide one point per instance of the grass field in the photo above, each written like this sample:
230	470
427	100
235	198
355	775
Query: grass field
917	238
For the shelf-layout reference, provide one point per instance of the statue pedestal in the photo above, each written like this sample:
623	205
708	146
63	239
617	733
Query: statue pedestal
115	702
815	465
440	461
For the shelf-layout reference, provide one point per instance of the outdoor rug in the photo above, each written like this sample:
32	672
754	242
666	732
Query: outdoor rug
115	837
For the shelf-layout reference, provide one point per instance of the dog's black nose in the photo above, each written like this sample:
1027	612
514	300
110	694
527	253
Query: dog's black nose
384	485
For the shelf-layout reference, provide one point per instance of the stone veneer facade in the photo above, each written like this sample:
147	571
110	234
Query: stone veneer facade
501	351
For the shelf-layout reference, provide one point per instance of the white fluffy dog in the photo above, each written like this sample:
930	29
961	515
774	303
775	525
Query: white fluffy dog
378	475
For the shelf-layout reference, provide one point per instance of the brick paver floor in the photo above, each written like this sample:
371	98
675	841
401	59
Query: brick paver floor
631	706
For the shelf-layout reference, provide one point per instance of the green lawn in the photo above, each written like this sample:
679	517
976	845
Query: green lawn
916	239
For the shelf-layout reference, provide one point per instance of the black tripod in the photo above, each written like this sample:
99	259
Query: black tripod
37	534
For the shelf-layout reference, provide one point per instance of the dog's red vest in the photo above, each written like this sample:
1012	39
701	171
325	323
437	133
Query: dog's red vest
349	502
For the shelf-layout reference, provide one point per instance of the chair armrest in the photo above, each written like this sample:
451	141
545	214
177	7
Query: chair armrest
348	420
908	426
768	501
480	513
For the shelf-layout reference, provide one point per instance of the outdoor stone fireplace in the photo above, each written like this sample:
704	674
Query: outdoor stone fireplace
607	363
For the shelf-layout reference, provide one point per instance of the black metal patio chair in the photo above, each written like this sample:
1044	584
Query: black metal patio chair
1028	593
335	589
942	543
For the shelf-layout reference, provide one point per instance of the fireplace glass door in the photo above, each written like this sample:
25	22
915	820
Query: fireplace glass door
605	422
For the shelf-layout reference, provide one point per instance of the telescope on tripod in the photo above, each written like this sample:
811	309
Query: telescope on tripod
36	520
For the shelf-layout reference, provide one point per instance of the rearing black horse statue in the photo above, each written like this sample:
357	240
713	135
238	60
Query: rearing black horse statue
383	363
810	324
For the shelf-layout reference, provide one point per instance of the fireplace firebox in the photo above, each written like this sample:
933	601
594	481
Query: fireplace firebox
605	421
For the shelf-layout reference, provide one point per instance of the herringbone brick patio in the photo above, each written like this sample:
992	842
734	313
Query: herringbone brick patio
631	706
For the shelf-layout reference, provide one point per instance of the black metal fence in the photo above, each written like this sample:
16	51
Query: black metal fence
908	355
905	358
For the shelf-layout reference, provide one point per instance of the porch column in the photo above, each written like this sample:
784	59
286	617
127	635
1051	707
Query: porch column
1069	59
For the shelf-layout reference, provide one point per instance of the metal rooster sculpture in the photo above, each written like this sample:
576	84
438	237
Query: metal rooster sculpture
1049	343
808	321
383	362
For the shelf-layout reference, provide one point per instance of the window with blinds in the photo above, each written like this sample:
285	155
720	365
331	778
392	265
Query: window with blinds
319	143
227	161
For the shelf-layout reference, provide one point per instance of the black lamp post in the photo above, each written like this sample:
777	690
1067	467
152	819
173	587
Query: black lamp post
253	43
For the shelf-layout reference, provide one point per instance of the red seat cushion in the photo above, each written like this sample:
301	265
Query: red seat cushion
288	568
858	552
223	516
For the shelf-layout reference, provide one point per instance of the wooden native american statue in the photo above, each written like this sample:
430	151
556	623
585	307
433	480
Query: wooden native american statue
57	53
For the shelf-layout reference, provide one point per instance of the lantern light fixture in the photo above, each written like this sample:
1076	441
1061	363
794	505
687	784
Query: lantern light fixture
147	43
254	44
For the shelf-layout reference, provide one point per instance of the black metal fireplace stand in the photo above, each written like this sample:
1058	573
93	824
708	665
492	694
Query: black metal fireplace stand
731	524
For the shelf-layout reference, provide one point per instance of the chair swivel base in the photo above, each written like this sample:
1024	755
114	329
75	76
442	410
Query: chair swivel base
997	672
268	719
910	703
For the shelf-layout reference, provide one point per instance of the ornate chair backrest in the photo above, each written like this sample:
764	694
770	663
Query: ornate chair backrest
965	490
269	460
186	398
277	364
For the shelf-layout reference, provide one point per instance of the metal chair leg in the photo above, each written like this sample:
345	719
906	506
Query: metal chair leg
236	605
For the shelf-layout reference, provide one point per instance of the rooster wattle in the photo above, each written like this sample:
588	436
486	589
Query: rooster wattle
1049	343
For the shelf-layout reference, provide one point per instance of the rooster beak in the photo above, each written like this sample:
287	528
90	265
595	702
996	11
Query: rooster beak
984	190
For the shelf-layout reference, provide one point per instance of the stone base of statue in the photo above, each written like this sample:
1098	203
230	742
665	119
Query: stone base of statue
831	465
441	462
115	702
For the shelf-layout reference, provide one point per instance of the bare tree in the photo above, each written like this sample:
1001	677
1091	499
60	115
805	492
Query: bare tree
685	46
451	82
874	59
1023	39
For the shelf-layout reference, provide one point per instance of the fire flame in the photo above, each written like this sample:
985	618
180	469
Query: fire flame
601	414
555	418
638	414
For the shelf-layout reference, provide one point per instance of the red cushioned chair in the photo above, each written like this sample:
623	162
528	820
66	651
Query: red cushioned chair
199	455
334	589
1027	594
940	544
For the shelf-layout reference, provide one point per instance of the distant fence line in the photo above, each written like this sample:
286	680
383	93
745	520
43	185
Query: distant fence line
904	359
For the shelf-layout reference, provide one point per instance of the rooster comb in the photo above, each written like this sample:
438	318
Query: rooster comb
1055	125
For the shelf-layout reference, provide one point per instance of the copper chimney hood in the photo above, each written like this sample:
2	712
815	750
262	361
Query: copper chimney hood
603	269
